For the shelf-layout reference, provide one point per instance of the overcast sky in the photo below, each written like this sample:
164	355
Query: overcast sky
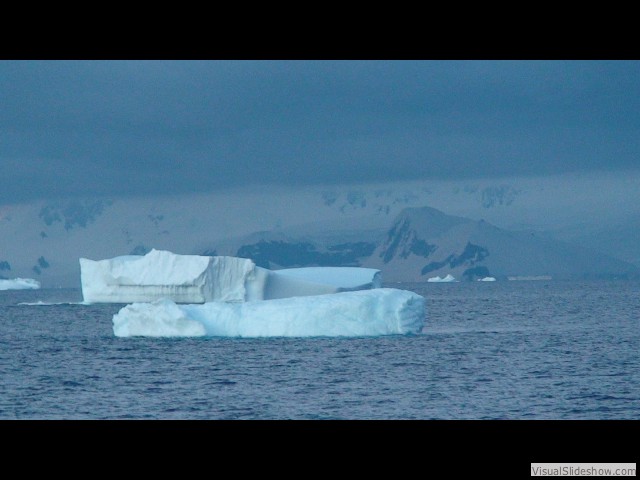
144	127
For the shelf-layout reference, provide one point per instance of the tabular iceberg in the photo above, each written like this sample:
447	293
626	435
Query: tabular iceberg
162	274
19	284
345	278
380	311
199	279
300	282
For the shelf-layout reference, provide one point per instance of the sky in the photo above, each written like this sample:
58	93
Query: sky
79	128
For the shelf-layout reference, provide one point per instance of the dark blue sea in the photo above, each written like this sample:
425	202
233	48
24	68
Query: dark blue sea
500	350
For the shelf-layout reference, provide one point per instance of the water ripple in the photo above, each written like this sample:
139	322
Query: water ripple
516	350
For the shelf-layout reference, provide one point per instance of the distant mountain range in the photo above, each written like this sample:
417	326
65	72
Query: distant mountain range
424	242
378	228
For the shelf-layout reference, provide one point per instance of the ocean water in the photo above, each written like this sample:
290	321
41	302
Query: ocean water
500	350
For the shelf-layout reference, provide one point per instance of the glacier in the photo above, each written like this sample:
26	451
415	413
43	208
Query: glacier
19	284
200	279
381	311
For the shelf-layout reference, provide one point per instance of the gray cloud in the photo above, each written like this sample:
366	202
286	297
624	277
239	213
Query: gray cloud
103	127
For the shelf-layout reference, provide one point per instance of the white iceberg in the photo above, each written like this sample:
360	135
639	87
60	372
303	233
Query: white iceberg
382	311
19	284
161	274
448	278
487	279
199	279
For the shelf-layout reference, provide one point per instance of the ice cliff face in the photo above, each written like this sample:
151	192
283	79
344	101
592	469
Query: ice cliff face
162	274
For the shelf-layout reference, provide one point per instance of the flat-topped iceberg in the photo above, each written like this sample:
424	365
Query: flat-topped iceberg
382	311
300	282
199	279
161	274
19	284
343	278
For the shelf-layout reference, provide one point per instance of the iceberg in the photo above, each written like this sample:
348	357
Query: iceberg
487	279
162	274
448	278
381	311
200	279
190	296
19	284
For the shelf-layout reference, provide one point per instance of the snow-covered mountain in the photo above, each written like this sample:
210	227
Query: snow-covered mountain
45	239
344	225
425	242
297	247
